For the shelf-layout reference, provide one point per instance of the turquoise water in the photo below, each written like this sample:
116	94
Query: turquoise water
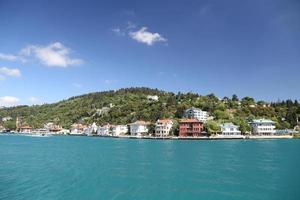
105	168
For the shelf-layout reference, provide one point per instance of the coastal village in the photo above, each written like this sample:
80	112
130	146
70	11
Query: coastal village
190	126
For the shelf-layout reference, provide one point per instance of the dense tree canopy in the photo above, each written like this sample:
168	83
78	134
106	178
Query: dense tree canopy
130	104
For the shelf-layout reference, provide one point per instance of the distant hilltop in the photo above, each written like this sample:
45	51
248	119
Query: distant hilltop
128	105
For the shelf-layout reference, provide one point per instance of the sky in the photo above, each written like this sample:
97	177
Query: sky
52	50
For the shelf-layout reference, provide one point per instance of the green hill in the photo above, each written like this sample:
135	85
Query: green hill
130	104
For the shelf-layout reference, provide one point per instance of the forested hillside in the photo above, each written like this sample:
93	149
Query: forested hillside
130	104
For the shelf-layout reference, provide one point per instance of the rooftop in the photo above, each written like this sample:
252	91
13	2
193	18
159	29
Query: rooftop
188	120
164	120
228	125
140	122
262	121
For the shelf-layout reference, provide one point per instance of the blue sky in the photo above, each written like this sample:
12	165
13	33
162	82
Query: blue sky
50	51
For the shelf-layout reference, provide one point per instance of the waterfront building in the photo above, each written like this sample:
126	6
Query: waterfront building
190	128
91	129
63	132
285	132
77	129
25	129
139	128
104	130
163	127
230	129
52	128
196	113
119	130
41	131
263	127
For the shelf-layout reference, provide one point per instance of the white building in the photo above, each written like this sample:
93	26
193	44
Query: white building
92	129
77	129
119	130
139	128
104	130
230	129
196	113
5	119
152	97
263	127
163	127
51	127
25	129
63	131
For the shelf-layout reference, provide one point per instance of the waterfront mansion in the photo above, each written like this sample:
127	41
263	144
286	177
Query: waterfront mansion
229	129
163	127
190	128
262	127
119	130
139	128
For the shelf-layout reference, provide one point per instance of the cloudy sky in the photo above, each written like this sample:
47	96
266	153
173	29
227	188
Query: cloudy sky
53	50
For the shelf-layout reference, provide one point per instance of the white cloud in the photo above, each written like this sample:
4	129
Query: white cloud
52	55
11	57
146	37
107	81
131	25
118	31
7	101
8	57
4	71
77	85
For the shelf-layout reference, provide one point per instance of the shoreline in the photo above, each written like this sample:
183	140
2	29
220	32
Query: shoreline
242	137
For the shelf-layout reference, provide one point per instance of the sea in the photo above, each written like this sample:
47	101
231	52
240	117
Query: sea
95	168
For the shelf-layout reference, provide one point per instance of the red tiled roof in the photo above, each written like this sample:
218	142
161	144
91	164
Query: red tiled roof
26	127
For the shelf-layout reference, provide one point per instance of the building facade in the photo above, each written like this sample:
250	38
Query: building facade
263	127
51	127
190	128
119	130
8	118
77	129
104	130
230	129
153	97
163	127
139	128
25	129
196	113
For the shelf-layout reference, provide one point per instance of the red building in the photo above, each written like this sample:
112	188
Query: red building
190	128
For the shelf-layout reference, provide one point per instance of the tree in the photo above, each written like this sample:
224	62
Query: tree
11	125
175	129
151	129
246	101
235	98
243	125
212	127
221	115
